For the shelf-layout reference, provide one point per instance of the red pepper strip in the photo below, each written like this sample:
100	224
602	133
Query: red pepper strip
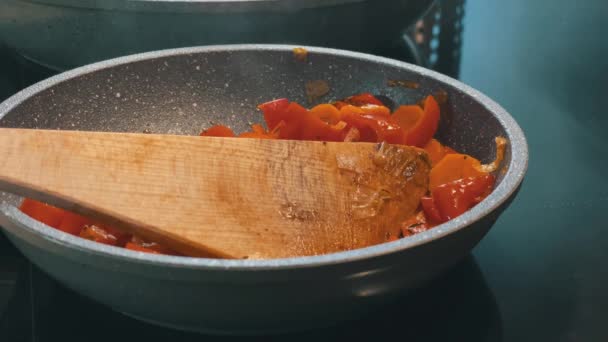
430	210
258	132
291	117
373	127
435	150
257	128
425	128
122	238
274	112
218	131
327	113
452	167
408	116
104	234
73	223
362	99
376	110
339	104
301	124
42	212
454	198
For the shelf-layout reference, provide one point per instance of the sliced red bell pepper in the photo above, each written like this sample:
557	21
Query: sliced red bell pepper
376	110
42	212
257	128
327	113
425	128
73	223
408	116
121	236
301	124
218	131
289	116
454	166
373	127
435	150
430	210
104	234
258	132
274	112
454	198
339	104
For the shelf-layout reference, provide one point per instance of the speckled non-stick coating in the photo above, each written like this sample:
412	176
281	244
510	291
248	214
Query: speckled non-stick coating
183	91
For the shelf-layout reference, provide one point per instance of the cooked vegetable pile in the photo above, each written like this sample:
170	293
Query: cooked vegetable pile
457	182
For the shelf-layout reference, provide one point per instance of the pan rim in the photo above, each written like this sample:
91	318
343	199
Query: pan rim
510	183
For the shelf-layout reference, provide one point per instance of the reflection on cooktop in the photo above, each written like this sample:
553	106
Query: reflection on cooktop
34	307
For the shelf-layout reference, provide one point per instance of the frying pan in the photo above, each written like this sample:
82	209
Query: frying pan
184	90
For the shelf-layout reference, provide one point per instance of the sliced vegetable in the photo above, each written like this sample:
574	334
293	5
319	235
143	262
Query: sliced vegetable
453	167
301	124
73	223
218	131
435	150
425	128
258	132
42	212
408	116
457	181
430	210
376	110
454	198
274	112
326	112
373	127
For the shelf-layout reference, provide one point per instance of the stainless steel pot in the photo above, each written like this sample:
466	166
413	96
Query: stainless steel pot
182	91
62	34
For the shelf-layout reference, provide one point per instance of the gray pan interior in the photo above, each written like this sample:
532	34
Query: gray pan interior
185	90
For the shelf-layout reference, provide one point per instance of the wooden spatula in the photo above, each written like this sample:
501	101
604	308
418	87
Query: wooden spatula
221	197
